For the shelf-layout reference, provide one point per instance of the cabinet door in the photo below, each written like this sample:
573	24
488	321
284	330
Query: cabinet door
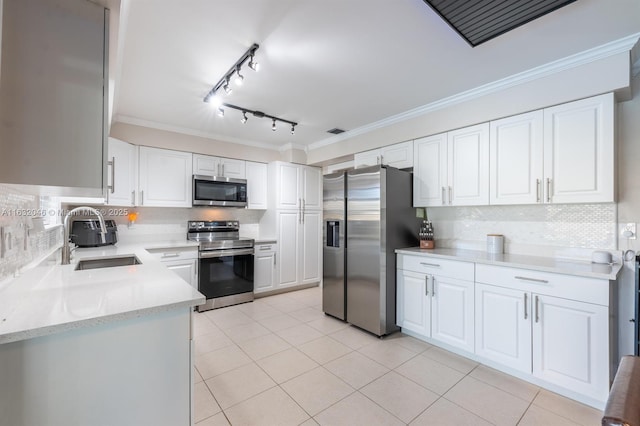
311	253
468	166
185	269
367	158
515	165
206	165
165	177
503	326
264	268
232	168
257	185
578	151
414	304
452	312
122	173
287	176
312	188
288	248
571	345
430	171
399	155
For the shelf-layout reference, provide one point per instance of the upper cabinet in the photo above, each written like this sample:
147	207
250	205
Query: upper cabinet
165	178
257	187
579	151
122	173
452	168
562	154
218	166
399	155
53	95
297	186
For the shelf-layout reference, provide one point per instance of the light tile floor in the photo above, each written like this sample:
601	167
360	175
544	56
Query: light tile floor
280	361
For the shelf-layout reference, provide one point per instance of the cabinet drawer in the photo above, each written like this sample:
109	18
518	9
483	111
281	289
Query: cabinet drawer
436	266
174	253
590	290
265	248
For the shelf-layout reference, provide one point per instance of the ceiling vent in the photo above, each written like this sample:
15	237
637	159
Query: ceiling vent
335	131
478	21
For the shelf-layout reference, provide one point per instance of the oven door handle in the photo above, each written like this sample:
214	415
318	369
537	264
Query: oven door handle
224	253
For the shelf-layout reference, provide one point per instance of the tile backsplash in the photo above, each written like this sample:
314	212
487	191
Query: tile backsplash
25	238
544	230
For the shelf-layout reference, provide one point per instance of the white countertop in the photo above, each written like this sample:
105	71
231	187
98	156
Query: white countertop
53	298
538	263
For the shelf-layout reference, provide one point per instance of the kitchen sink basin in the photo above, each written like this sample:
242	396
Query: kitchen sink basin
107	262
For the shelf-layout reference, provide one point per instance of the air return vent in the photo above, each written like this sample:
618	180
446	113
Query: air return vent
335	131
480	20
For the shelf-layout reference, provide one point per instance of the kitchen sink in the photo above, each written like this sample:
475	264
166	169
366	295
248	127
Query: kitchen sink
107	262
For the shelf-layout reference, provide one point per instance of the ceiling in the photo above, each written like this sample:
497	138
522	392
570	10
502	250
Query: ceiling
325	63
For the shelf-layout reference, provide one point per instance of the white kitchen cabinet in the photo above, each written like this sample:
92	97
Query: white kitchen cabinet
264	267
440	305
452	168
398	155
257	185
297	187
289	247
164	178
311	247
122	173
181	260
579	151
570	345
503	326
209	165
515	159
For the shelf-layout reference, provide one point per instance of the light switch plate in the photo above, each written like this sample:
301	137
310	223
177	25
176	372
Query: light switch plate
628	231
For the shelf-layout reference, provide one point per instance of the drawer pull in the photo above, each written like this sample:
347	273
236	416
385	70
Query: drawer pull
166	255
265	248
535	280
525	306
435	265
443	201
537	309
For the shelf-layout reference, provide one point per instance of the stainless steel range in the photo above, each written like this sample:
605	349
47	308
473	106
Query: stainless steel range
226	263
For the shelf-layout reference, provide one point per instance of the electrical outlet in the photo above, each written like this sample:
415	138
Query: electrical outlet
628	231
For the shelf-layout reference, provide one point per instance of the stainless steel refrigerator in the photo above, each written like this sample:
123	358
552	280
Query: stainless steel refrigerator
368	214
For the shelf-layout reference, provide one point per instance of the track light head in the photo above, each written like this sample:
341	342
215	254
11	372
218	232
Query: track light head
273	125
293	129
220	112
227	88
239	77
244	117
214	100
253	64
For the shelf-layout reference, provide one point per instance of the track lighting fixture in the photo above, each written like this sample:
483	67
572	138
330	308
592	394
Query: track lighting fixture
223	83
253	64
259	114
221	111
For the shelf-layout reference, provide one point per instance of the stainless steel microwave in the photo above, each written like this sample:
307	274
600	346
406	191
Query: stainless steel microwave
219	191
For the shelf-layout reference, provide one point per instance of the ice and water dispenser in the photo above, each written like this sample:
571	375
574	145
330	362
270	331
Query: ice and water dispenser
333	233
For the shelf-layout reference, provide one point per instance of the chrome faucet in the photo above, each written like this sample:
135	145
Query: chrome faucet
66	250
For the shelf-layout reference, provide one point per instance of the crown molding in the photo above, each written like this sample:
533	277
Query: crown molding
291	145
119	118
585	57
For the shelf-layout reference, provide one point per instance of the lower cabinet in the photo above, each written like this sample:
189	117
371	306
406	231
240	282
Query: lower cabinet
181	260
552	328
436	306
264	267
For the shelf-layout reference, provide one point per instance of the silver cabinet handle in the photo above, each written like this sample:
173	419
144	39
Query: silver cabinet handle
112	163
274	258
168	255
535	280
548	190
265	247
222	169
537	190
537	309
433	286
142	197
450	191
377	159
299	210
525	306
381	159
133	198
304	209
443	201
426	285
435	265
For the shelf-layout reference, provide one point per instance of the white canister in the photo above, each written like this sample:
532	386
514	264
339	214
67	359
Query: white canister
495	243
